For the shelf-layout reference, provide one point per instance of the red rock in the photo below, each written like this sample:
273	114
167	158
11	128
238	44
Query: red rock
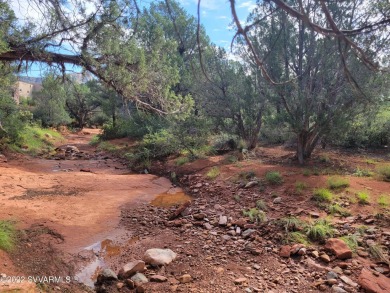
338	248
285	251
372	283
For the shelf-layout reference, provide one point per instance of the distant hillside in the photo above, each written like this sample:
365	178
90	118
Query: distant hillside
30	79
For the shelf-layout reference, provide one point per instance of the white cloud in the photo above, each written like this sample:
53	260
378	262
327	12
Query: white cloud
208	4
250	5
222	17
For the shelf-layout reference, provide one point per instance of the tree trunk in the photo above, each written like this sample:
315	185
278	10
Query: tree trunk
306	143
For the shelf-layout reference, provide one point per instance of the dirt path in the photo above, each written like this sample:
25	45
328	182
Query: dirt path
79	199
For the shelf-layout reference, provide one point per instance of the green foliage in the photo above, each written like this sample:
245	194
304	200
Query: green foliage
351	241
34	139
108	147
297	237
300	186
336	182
337	209
383	200
322	195
50	109
261	205
384	172
362	229
213	173
306	172
378	253
95	140
182	160
363	173
363	197
319	230
7	235
291	223
273	177
255	215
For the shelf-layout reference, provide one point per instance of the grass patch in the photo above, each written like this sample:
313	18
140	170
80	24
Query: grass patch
181	161
377	252
384	173
322	195
261	205
291	223
370	161
363	197
34	140
274	177
94	140
319	230
213	173
297	237
300	186
337	209
306	172
7	235
255	215
363	173
336	182
324	159
362	229
108	147
383	200
351	241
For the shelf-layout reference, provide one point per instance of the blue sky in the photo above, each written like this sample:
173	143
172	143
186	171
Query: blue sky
215	17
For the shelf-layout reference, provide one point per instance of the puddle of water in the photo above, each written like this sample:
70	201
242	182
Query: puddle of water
170	199
103	250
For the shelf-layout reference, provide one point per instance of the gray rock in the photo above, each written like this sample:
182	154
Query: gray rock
331	275
336	289
277	200
208	226
139	278
157	256
107	275
222	220
251	184
348	281
131	268
248	232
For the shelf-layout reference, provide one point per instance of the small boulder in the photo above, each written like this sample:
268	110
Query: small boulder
157	256
158	278
107	275
139	278
186	278
373	284
251	184
339	248
222	220
285	251
131	269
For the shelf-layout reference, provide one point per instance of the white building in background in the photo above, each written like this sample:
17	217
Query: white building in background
25	89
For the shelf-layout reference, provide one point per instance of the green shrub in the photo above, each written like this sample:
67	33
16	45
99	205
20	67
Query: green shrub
261	205
291	223
337	209
300	186
213	173
7	235
94	140
306	172
384	172
362	173
351	241
160	144
322	195
255	215
274	177
297	237
363	197
383	200
319	230
336	182
181	161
